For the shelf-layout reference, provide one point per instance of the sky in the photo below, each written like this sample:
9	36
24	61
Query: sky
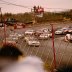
49	5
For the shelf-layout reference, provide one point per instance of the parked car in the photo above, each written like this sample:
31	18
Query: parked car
19	26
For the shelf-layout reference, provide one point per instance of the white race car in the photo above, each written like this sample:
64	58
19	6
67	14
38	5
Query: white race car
43	36
17	35
33	42
29	32
60	31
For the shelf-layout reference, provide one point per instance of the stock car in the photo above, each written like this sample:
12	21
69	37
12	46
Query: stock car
45	36
29	32
38	32
32	41
49	33
65	29
43	31
61	31
26	38
57	32
10	40
17	35
68	37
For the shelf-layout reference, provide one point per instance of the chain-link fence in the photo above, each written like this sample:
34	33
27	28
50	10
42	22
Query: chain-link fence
63	50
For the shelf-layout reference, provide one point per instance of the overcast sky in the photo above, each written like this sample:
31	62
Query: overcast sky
64	4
